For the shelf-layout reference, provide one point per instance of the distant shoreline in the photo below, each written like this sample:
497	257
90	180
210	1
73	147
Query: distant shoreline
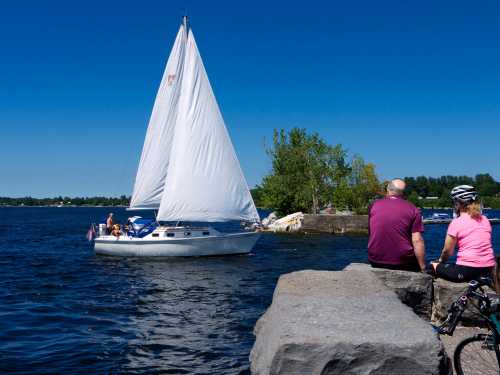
63	206
125	206
59	201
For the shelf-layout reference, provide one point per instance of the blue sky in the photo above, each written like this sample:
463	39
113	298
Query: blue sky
413	87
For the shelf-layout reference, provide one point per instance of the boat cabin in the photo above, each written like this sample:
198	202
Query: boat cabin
183	232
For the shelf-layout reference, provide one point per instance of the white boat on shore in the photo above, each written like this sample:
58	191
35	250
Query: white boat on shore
188	170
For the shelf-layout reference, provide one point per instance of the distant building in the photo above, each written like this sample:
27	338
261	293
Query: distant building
429	198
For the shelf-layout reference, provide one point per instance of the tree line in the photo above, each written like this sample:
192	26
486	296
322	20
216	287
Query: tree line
66	201
435	191
307	174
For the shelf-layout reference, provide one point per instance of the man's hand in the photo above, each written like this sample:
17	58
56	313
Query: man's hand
419	249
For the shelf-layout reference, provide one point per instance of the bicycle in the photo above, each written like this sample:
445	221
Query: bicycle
479	354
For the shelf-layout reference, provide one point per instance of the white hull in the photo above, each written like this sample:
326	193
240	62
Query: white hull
222	244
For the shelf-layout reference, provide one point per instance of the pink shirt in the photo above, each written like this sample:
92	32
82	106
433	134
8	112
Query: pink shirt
474	241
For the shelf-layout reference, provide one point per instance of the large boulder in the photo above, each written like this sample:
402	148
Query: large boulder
414	289
345	322
447	292
289	223
271	218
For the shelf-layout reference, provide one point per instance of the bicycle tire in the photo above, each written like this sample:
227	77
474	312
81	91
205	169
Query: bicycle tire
472	356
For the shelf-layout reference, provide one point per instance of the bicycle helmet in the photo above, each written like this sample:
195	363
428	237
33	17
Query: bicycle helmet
464	194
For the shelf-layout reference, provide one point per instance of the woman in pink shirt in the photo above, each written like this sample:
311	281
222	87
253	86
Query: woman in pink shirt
471	231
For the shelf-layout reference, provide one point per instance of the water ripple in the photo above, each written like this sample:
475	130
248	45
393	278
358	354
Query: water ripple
65	310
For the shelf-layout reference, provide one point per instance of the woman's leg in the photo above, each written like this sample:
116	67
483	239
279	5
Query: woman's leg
457	273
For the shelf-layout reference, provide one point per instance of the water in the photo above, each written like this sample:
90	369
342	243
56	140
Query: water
65	310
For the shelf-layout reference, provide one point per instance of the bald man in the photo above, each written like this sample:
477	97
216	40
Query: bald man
396	229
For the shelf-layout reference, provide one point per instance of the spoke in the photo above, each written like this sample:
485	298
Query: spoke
477	358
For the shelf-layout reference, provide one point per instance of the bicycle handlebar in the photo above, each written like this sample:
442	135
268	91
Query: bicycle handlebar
458	307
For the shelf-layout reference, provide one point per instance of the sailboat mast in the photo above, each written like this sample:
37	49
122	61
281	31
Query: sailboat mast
185	22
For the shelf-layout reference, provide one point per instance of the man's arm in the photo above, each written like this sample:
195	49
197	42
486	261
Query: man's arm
419	248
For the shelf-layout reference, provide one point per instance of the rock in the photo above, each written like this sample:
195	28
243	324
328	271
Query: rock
414	289
447	292
345	322
328	211
271	218
289	223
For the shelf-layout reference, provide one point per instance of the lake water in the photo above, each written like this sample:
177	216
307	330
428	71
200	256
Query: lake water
65	310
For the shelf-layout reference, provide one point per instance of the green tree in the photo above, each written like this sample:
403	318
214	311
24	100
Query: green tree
307	174
440	187
257	195
342	196
445	199
305	170
414	198
486	185
365	184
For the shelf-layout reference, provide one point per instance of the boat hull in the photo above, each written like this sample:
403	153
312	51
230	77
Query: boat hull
234	243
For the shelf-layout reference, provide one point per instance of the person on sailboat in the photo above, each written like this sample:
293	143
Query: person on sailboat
109	223
188	170
116	231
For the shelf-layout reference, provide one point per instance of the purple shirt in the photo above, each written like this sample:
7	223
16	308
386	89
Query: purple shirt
392	221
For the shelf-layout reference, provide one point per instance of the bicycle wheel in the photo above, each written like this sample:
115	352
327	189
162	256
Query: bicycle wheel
477	355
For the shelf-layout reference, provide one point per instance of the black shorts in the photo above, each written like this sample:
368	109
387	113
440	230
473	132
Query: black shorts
413	266
457	273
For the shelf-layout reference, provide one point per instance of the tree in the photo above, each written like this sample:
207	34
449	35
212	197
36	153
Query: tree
307	174
414	198
257	196
440	187
445	199
305	170
342	196
486	185
365	184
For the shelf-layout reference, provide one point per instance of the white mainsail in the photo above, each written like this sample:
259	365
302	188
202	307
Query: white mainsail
153	166
188	167
204	181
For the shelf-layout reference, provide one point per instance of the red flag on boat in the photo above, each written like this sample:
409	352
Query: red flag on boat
91	233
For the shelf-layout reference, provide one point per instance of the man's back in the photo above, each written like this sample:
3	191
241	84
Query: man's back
392	221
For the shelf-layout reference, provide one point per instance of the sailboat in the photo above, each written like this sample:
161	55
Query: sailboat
188	171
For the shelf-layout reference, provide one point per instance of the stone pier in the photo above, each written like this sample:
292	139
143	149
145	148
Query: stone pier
356	321
335	224
346	322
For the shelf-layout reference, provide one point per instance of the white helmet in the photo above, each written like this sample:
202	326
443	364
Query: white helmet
464	194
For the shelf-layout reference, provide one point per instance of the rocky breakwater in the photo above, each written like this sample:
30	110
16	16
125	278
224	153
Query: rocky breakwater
308	223
429	298
345	322
414	289
335	224
445	293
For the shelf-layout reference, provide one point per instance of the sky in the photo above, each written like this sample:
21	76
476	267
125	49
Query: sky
413	87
